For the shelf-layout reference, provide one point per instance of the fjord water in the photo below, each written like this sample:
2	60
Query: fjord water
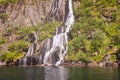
59	73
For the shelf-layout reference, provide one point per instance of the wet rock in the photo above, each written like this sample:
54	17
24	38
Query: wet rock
16	63
74	63
93	64
115	64
79	62
109	64
101	64
118	63
2	63
35	60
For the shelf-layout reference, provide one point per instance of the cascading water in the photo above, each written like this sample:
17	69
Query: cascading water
31	49
55	48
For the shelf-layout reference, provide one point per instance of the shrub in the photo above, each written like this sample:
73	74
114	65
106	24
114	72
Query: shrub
3	15
92	20
48	30
24	31
8	1
20	46
2	40
11	56
100	40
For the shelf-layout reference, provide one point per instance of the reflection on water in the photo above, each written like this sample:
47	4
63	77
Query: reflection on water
98	73
58	73
46	73
55	73
33	73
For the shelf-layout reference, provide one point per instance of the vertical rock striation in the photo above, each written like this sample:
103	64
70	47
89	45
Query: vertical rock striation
30	13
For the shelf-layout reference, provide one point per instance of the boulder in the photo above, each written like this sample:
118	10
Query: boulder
2	63
92	64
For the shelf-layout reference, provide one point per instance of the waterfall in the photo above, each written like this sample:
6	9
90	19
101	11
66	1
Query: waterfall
56	47
53	50
31	49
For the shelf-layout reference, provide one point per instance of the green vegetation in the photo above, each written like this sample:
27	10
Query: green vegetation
48	30
95	33
11	56
8	1
20	46
2	40
3	15
15	51
21	39
45	31
25	31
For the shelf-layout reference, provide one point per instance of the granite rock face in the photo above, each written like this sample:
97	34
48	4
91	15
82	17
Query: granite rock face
31	12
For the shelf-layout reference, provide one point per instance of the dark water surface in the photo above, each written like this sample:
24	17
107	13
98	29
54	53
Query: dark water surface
59	73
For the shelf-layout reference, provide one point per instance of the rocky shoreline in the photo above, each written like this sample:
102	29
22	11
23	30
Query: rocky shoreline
78	64
91	64
2	63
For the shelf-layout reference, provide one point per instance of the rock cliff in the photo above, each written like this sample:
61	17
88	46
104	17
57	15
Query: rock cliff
31	12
